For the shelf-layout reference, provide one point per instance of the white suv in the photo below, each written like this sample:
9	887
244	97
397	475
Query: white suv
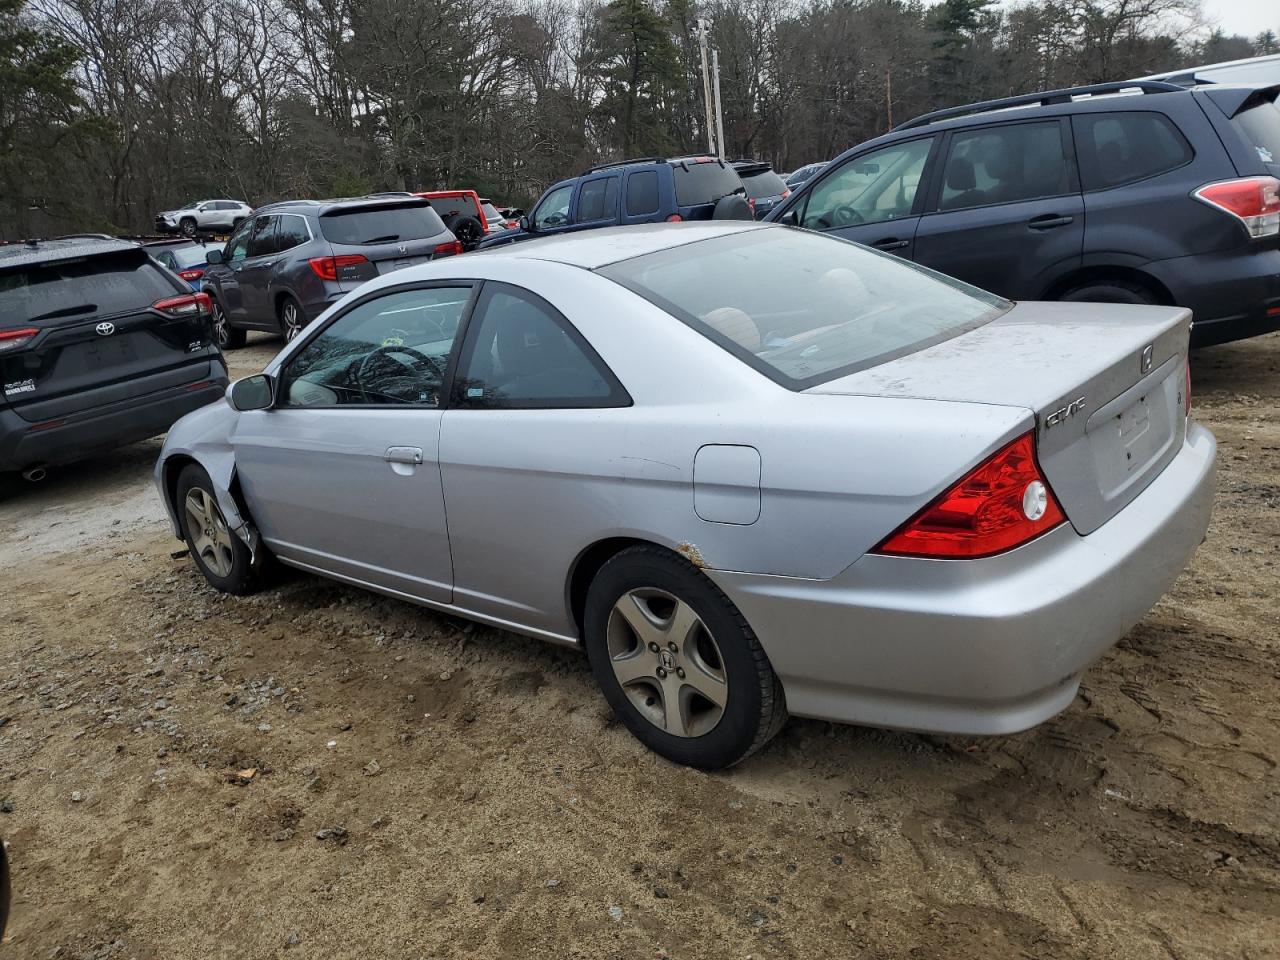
220	216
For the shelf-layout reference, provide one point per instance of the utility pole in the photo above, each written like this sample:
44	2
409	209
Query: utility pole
715	79
702	29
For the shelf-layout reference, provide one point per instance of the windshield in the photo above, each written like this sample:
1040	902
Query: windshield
766	183
359	225
804	308
704	182
190	256
76	289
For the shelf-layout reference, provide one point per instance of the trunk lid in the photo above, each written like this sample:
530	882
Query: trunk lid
113	350
1106	384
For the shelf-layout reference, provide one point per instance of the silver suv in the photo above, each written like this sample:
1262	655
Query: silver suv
207	216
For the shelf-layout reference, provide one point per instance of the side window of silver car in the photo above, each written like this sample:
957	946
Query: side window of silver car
389	351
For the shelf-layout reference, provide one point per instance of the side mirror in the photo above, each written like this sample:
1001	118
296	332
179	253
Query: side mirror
252	393
525	225
213	256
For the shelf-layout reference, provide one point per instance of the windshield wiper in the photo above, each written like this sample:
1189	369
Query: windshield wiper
389	237
65	312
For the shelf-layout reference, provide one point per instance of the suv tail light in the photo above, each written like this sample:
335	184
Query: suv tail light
675	218
452	248
1254	201
1002	504
189	306
193	274
326	268
16	339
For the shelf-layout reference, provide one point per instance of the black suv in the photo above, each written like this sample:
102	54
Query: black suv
99	346
287	264
648	190
1135	192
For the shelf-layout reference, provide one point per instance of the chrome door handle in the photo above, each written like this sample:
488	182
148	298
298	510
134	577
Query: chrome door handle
410	455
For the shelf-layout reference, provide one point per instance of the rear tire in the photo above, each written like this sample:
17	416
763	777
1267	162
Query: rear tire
227	336
1109	291
292	319
218	553
678	662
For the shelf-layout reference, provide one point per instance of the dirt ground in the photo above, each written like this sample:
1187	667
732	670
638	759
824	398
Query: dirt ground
417	787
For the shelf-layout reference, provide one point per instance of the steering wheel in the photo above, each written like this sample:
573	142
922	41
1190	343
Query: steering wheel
846	216
420	363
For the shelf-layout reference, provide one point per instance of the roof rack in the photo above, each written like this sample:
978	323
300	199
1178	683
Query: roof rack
1043	99
623	163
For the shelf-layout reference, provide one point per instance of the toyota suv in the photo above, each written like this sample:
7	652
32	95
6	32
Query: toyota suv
99	346
634	191
293	259
1131	192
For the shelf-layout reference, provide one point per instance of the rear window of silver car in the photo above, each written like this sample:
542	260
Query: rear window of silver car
360	225
803	308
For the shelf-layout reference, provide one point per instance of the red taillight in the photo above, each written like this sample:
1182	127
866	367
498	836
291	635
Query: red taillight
326	268
786	193
674	218
751	202
1002	504
450	249
14	339
189	306
1254	201
193	274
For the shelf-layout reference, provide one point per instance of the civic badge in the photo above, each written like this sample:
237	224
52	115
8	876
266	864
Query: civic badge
105	328
1146	358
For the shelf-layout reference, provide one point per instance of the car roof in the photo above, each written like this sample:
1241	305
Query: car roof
1232	71
592	249
62	248
321	207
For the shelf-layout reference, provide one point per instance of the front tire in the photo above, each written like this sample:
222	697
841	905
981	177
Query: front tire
292	319
678	662
187	227
219	554
227	336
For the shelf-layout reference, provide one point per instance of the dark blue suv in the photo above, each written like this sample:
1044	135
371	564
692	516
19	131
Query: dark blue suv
1136	192
634	191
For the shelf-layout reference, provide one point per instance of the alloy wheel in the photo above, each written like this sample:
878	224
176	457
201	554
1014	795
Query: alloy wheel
210	538
291	320
220	331
667	662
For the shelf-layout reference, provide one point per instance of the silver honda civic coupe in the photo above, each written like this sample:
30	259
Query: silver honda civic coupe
754	471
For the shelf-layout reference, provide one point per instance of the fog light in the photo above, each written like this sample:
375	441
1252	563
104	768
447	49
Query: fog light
1035	500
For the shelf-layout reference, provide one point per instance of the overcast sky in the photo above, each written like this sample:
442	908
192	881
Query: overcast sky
1249	17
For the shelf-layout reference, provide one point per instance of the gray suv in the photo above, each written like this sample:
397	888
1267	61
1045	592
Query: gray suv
293	259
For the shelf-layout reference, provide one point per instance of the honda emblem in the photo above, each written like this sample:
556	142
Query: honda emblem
105	328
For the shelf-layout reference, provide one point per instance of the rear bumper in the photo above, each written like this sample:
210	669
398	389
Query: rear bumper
79	436
1228	293
978	646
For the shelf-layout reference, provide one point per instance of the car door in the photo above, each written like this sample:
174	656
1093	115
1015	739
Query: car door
342	472
872	198
1006	213
532	405
254	271
225	276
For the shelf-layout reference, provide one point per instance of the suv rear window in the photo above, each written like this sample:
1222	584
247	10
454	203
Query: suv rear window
359	225
860	307
704	182
766	183
1119	148
1260	126
102	285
